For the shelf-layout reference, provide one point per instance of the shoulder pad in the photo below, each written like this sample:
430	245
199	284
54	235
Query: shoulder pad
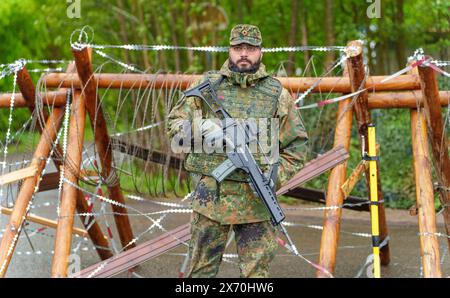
212	75
270	85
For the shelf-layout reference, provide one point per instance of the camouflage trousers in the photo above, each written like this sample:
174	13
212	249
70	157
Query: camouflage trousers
256	247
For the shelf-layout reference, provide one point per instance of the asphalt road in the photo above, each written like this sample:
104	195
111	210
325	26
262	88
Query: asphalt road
33	254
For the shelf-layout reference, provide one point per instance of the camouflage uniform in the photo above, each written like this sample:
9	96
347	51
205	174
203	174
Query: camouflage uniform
232	202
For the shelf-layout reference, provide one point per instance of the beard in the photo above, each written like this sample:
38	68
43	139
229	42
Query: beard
252	69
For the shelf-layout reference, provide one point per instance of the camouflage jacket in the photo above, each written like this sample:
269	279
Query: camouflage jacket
234	202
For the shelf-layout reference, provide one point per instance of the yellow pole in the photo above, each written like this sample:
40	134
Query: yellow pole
372	157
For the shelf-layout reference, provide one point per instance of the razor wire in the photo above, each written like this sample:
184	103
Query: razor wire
182	208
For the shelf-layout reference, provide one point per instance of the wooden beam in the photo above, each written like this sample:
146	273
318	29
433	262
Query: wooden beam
403	100
315	167
439	146
102	143
43	221
49	181
429	242
332	217
131	258
357	74
18	175
354	177
28	90
145	154
69	193
158	81
52	98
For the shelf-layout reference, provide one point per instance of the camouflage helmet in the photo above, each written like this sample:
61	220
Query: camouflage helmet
245	33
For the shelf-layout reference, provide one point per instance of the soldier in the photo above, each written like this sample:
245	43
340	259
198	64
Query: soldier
246	91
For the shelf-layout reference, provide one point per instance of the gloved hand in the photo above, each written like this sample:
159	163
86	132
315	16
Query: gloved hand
209	126
212	132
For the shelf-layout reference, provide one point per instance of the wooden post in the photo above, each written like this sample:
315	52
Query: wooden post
102	143
18	214
43	221
9	239
433	117
69	193
335	197
27	89
429	242
363	119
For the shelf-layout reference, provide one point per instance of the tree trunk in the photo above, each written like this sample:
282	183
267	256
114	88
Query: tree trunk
173	30
304	30
386	39
123	30
186	20
140	14
369	39
329	33
401	47
380	47
127	57
292	37
161	54
239	9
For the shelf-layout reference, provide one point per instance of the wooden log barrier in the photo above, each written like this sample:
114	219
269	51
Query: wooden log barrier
21	206
335	197
439	146
69	193
50	98
27	88
102	143
9	239
143	252
43	221
429	243
379	100
363	119
18	175
158	81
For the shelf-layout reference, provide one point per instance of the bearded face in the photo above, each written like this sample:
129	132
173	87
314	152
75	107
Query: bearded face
244	58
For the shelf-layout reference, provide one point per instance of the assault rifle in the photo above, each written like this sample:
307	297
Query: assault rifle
240	157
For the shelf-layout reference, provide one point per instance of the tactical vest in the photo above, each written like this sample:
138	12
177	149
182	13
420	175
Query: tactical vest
258	101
